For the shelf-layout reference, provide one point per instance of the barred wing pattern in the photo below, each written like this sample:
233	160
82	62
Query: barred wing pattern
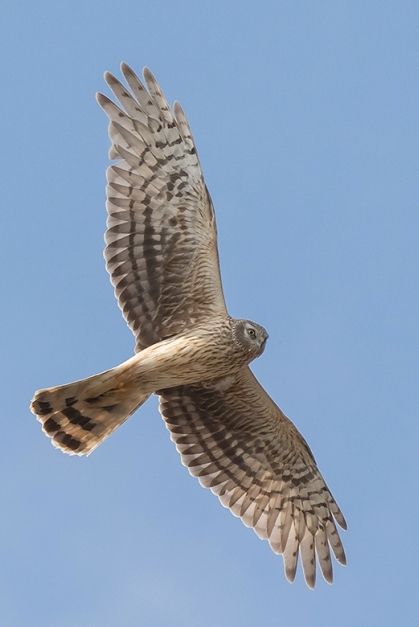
161	243
241	446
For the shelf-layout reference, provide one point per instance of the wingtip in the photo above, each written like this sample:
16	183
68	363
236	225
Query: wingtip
326	570
328	579
290	574
126	69
311	582
177	107
149	76
132	78
109	78
101	99
337	514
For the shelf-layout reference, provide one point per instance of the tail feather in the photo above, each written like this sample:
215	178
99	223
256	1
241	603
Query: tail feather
79	416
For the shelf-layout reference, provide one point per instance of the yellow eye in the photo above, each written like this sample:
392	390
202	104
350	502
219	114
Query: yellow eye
251	332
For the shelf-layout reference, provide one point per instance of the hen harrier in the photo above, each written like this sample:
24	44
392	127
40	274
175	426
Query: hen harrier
161	254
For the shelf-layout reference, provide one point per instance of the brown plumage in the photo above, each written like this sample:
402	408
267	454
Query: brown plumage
161	254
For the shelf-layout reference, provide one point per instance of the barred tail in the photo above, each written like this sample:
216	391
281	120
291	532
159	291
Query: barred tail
79	416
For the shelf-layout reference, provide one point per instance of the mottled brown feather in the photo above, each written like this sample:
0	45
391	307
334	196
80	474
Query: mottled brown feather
240	445
161	250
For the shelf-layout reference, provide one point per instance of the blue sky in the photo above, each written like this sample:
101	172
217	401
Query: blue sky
303	113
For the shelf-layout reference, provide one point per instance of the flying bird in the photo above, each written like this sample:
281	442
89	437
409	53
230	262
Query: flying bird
161	254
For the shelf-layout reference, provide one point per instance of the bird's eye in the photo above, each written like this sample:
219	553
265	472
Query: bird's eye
252	333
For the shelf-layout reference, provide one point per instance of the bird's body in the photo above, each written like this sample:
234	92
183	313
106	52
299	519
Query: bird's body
161	253
89	410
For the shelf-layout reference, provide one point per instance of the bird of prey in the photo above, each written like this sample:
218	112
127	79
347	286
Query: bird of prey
161	254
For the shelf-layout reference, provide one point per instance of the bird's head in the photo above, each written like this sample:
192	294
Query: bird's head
250	337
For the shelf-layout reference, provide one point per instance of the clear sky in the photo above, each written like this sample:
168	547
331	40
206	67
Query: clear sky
303	113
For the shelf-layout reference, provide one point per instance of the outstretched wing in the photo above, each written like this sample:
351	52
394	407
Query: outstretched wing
161	242
241	446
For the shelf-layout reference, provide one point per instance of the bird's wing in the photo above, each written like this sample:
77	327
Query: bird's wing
161	241
241	446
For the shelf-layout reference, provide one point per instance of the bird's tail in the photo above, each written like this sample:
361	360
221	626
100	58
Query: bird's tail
79	416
